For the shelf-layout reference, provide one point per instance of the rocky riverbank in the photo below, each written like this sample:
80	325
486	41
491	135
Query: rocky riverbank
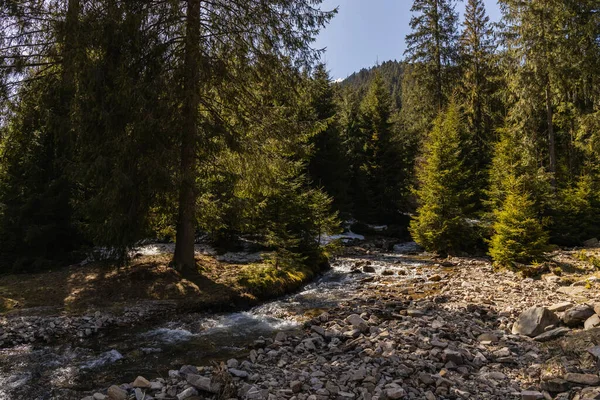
452	332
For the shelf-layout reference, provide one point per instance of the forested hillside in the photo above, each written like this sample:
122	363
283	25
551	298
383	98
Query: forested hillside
123	121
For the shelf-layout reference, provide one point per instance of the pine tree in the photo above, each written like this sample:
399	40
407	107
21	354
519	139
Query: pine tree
378	173
328	167
444	193
432	52
477	89
518	237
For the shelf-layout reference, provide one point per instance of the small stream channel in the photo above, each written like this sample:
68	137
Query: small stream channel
70	370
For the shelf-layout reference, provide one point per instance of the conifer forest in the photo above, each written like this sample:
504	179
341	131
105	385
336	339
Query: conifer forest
214	132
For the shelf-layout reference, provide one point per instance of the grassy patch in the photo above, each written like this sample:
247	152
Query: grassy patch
267	281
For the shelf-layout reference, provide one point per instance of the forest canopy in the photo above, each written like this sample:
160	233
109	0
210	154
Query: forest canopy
173	119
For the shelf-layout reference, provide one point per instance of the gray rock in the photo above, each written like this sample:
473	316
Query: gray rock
559	307
533	321
531	395
555	385
296	386
592	322
395	393
488	337
238	373
453	356
590	243
368	269
203	383
187	393
583	379
577	315
552	334
356	321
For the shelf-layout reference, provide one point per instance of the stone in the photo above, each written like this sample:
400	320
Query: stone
573	291
356	321
238	373
552	334
531	395
280	337
99	396
555	385
203	383
187	393
435	278
577	315
590	394
592	322
188	369
116	393
232	363
415	313
395	393
533	321
141	382
559	307
453	356
369	269
296	386
488	337
583	379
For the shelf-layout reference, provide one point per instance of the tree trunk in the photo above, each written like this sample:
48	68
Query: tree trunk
184	259
551	136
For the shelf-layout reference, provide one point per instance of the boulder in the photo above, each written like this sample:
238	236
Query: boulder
533	322
577	315
203	383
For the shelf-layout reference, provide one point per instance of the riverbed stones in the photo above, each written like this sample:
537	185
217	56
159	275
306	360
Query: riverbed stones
357	322
531	395
583	379
116	393
592	322
187	393
576	316
533	321
552	334
562	306
203	383
141	382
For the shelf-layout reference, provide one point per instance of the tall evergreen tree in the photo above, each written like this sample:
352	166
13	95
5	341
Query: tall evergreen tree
328	166
478	89
432	51
444	193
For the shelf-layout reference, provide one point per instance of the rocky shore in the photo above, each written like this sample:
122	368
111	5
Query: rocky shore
459	330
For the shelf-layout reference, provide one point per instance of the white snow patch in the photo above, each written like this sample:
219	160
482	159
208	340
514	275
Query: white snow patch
344	237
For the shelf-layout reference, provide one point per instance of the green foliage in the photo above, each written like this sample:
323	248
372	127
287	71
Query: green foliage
444	192
519	235
577	216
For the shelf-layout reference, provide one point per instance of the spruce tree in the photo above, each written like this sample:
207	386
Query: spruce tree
518	236
478	89
328	167
432	52
444	192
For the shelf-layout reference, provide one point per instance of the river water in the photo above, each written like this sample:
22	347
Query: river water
70	370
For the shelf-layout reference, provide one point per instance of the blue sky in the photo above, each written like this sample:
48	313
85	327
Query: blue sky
365	31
